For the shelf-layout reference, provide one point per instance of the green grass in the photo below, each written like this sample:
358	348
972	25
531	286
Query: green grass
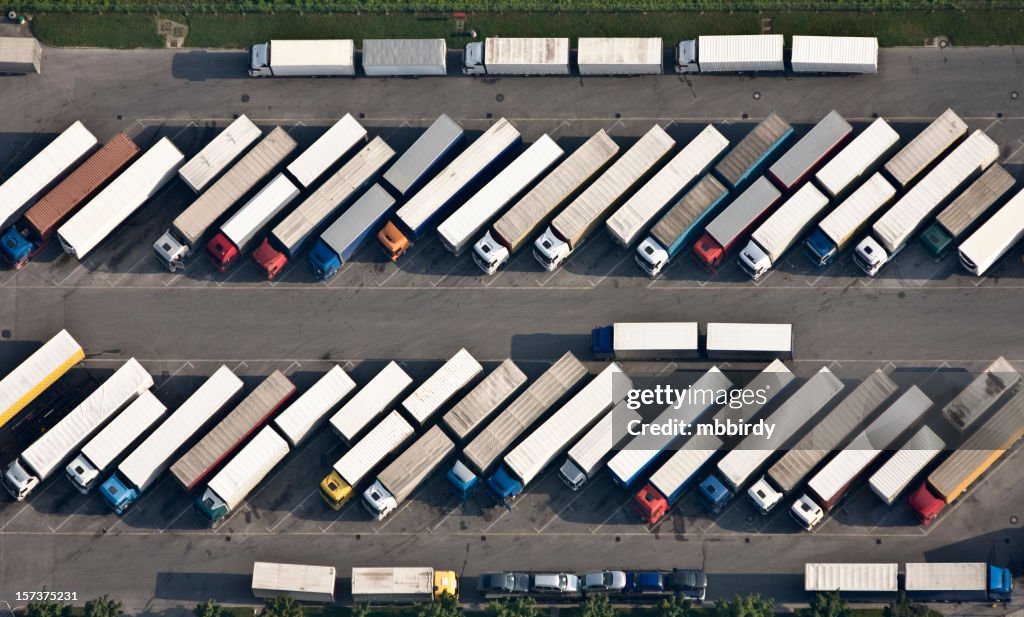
89	30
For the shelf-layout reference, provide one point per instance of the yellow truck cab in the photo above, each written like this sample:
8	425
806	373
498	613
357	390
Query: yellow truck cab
335	491
445	582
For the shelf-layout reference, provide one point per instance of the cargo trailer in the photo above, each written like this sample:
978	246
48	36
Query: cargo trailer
327	150
781	230
857	158
37	373
399	479
619	56
927	147
235	235
749	341
586	458
345	236
370	402
810	151
510	232
232	484
439	388
516	56
958	582
426	152
302	58
834	54
222	150
983	248
869	582
741	53
847	220
733	223
20	55
402	585
984	391
754	151
666	340
404	57
896	474
964	212
298	582
363	457
483	400
309	411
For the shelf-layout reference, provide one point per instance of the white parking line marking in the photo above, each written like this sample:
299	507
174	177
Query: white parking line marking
612	515
298	506
175	519
558	514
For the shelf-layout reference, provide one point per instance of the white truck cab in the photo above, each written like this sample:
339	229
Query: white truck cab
473	59
686	57
171	252
489	254
651	257
763	496
754	261
19	482
82	473
379	501
259	60
550	250
806	512
870	256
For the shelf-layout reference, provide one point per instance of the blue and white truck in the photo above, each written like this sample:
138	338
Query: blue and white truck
340	242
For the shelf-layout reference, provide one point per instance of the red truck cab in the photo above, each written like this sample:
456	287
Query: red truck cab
707	253
393	240
925	504
269	260
222	252
650	504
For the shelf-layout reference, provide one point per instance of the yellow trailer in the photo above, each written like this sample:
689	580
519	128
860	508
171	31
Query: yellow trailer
22	385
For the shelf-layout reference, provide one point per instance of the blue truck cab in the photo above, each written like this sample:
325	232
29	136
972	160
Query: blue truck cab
1000	584
601	343
820	249
463	481
15	248
504	485
714	493
118	495
323	261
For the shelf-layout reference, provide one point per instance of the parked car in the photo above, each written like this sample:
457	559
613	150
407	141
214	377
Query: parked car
557	584
688	582
608	581
645	582
503	583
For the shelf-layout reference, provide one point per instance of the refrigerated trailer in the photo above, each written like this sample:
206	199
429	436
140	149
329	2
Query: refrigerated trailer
834	54
571	227
399	479
140	469
404	57
340	242
371	401
848	219
510	232
958	582
37	373
646	341
857	158
38	462
362	458
619	56
302	58
439	388
235	235
416	217
740	53
428	149
964	212
896	474
402	585
587	457
20	55
189	227
924	149
309	411
222	150
232	484
973	401
298	582
749	341
732	224
982	249
781	230
516	56
483	400
810	151
327	150
855	581
753	151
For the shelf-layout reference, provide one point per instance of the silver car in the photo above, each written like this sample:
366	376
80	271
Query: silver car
608	581
557	584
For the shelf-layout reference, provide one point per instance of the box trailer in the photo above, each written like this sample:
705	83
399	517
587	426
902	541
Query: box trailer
308	411
924	149
525	462
416	216
516	56
60	155
302	58
742	462
741	53
749	341
37	373
732	224
973	401
671	479
629	463
834	54
958	582
120	199
399	479
140	469
327	150
38	462
620	56
33	232
102	450
189	227
510	232
251	414
781	230
371	401
439	388
204	167
964	212
848	219
854	581
983	248
754	151
404	57
505	429
483	400
586	458
627	223
428	149
890	233
810	151
363	457
20	55
232	484
298	582
896	474
826	488
235	235
857	158
666	340
457	230
402	585
289	236
571	227
345	236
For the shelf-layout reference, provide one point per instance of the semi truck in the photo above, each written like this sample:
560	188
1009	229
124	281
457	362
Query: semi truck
877	582
457	230
890	233
402	585
753	152
187	230
33	232
52	162
847	220
571	227
619	56
345	236
302	58
587	457
466	416
664	340
781	230
426	152
140	469
743	53
222	150
639	453
102	450
439	388
47	453
287	238
510	232
958	582
20	55
733	223
810	151
857	158
298	582
677	229
371	401
982	249
232	484
248	416
362	458
972	459
973	401
494	440
834	54
416	216
399	479
310	410
516	56
734	469
627	223
924	149
823	438
404	57
749	341
525	462
235	235
964	212
37	373
97	219
893	477
827	487
327	150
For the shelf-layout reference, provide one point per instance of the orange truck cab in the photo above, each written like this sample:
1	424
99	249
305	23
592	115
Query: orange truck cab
222	252
394	242
269	260
650	504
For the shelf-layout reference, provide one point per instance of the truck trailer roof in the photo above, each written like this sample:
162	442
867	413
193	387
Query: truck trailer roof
248	468
370	401
963	211
753	149
987	388
445	383
619	56
327	149
984	247
215	156
383	57
742	52
37	372
691	208
368	452
357	221
309	410
303	583
857	157
896	474
418	461
142	413
857	209
423	154
806	154
834	54
929	144
484	399
851	577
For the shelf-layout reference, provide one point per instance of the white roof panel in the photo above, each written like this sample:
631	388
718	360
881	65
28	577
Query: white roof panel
122	431
664	335
327	149
893	477
855	211
202	168
248	468
361	458
749	337
310	409
259	210
484	399
857	157
370	401
836	54
851	577
745	52
28	380
445	383
926	147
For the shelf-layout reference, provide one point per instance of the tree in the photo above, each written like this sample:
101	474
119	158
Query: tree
597	606
752	605
905	608
104	606
47	608
829	604
447	606
675	606
210	608
523	606
360	609
282	606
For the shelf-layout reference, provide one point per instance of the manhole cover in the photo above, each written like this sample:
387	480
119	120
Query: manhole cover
1013	519
245	98
744	116
757	96
499	97
1015	95
7	334
750	518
